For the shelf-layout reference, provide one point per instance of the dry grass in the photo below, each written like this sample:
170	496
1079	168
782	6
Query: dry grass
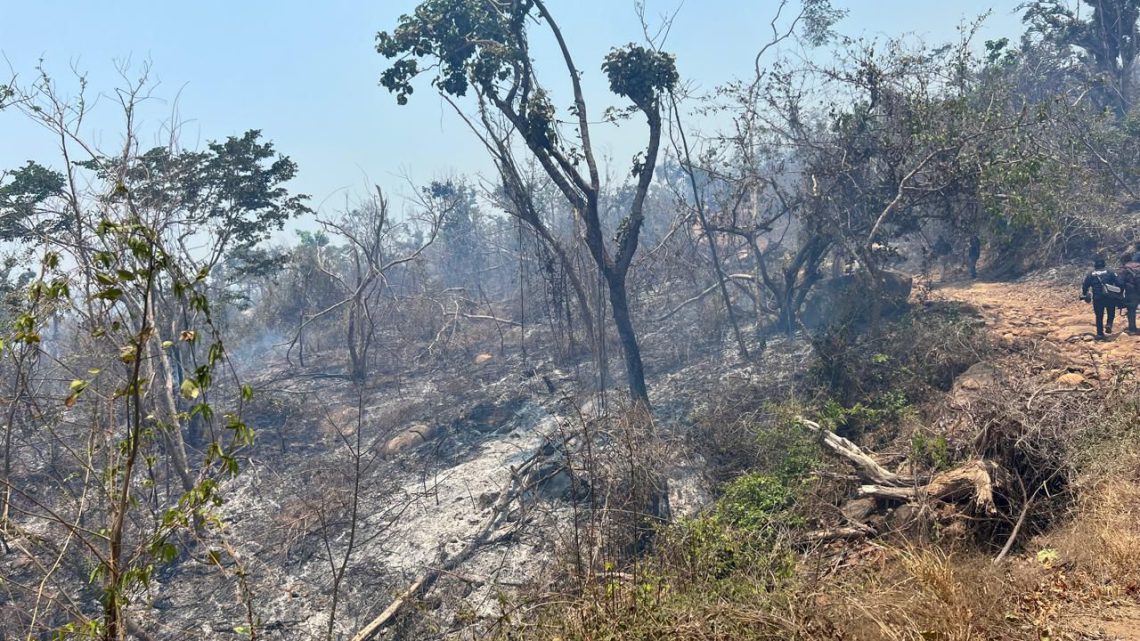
1102	540
907	593
921	593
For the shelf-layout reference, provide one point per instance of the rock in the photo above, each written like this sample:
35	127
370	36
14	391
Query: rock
859	509
979	376
490	417
845	301
553	481
689	491
484	358
1072	379
411	438
902	517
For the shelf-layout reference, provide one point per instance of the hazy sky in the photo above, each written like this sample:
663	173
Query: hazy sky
306	72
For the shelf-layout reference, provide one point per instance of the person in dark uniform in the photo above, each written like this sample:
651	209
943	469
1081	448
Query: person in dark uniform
1102	300
944	253
1129	279
973	254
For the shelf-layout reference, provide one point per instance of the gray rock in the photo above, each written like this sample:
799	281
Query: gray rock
845	301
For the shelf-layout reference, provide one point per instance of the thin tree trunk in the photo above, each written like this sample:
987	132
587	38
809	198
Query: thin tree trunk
173	436
301	337
634	369
17	394
698	202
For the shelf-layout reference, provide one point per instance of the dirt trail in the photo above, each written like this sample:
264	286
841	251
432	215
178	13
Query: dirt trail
1042	313
1032	311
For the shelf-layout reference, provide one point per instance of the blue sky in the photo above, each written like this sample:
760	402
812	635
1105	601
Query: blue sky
306	73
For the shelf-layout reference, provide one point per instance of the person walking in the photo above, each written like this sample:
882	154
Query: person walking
974	252
1106	295
1129	278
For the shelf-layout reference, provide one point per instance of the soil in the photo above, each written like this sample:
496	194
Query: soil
1044	313
1047	315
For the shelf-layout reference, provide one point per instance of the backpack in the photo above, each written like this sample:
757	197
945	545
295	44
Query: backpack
1129	276
1108	291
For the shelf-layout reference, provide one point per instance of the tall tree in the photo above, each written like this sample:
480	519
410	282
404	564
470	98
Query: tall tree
1107	43
483	46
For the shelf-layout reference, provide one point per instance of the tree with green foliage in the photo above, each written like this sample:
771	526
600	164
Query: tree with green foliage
479	47
22	191
120	239
1105	44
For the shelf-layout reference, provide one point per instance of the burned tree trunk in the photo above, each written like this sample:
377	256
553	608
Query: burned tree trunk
635	372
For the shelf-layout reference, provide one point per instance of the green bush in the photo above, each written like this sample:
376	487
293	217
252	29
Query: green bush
745	531
755	502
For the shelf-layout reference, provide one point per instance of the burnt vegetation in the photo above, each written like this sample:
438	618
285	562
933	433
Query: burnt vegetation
730	389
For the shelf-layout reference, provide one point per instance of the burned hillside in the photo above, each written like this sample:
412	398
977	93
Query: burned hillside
820	350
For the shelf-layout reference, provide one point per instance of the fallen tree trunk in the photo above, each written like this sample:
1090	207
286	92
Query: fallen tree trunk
854	531
976	478
868	468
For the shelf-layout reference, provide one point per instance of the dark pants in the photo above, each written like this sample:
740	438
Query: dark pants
1100	306
1131	307
973	266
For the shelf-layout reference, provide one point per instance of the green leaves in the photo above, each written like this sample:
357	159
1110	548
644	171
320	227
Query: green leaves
21	197
640	74
190	389
465	40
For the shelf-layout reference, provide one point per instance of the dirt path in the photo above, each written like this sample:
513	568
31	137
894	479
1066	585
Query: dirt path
1020	311
1044	314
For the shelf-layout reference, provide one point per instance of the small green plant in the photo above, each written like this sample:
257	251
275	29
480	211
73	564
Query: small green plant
787	451
745	530
864	417
933	451
755	502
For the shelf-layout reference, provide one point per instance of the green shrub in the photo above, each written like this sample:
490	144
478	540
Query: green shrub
887	408
930	451
755	502
745	531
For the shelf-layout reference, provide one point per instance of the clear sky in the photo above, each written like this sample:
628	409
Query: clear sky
306	72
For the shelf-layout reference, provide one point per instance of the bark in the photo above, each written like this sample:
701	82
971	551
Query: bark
17	395
635	372
867	467
976	479
173	437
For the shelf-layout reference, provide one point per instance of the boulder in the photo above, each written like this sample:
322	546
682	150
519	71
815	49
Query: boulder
979	376
1071	379
857	510
845	301
980	380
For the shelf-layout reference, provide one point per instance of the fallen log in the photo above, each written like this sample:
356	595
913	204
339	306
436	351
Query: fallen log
854	531
867	467
975	478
